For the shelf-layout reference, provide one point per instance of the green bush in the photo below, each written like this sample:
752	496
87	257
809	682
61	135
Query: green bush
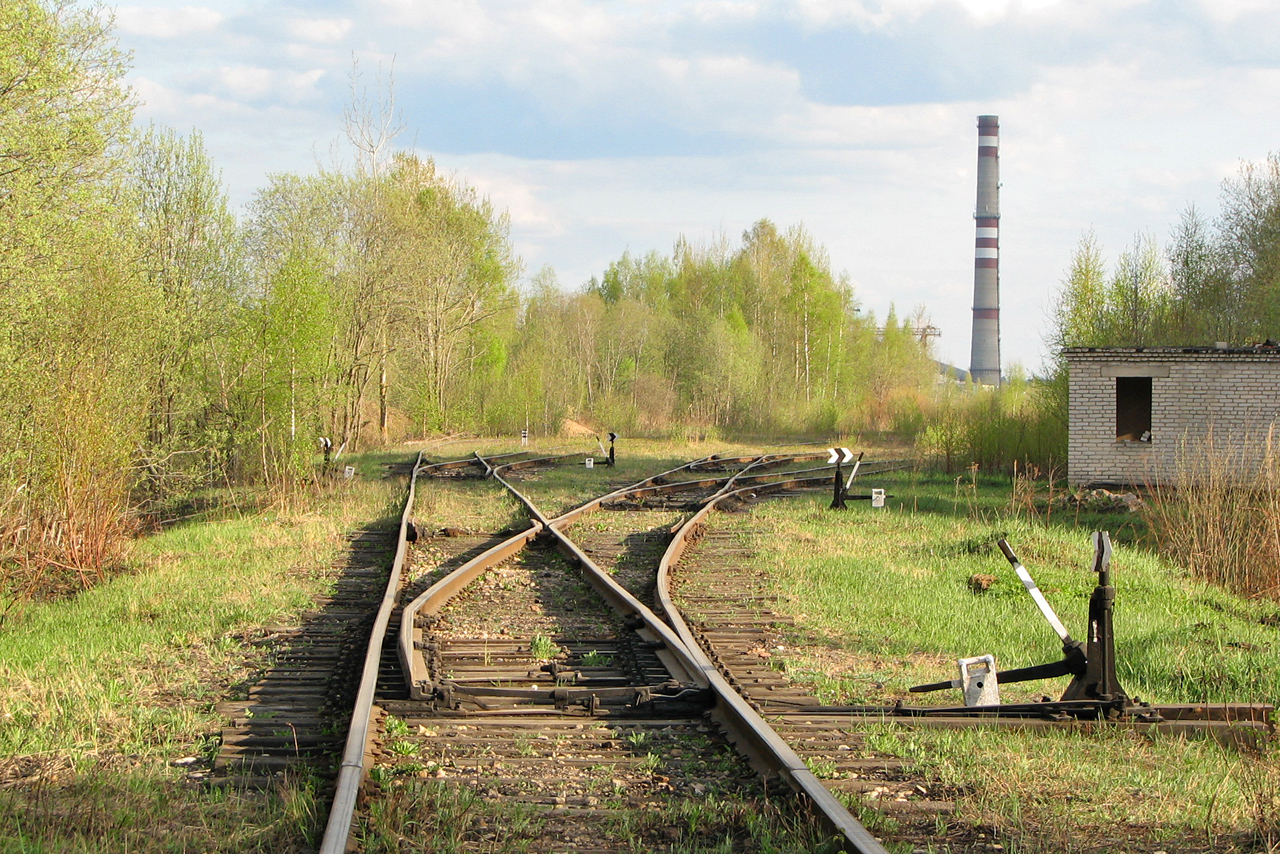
1020	423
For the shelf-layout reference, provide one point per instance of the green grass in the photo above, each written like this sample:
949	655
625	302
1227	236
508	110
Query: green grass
1040	792
468	504
892	584
595	658
543	648
882	602
99	693
428	816
133	664
113	808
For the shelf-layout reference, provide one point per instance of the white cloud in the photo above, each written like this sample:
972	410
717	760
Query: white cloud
886	15
898	127
256	82
162	23
1226	11
523	198
817	14
1120	144
322	30
176	107
726	11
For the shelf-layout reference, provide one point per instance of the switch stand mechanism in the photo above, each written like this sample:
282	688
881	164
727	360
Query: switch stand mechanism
841	487
1091	664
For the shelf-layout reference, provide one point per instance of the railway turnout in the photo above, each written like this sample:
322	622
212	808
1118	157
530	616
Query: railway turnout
580	668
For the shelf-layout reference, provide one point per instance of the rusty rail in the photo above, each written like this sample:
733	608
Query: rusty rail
746	726
439	594
753	735
685	660
353	769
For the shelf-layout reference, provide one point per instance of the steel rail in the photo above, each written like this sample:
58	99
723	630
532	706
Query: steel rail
682	659
656	480
467	462
353	769
439	594
754	735
764	463
793	480
866	469
534	461
745	725
677	658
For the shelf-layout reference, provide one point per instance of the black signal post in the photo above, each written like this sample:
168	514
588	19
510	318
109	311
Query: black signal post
837	499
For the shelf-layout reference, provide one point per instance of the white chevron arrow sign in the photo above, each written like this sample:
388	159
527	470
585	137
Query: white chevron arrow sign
838	453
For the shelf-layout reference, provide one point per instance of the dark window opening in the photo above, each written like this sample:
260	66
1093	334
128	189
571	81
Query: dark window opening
1133	409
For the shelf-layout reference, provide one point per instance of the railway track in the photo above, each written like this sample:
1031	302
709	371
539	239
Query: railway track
291	715
523	684
619	666
557	710
619	685
730	611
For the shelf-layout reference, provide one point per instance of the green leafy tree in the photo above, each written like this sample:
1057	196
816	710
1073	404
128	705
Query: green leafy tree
75	322
188	251
448	259
1250	241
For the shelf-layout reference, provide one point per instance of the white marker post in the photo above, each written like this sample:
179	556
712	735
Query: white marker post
848	484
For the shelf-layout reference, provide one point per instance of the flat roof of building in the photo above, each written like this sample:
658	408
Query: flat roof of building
1268	348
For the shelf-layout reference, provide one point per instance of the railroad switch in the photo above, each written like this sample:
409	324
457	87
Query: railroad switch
841	485
1090	663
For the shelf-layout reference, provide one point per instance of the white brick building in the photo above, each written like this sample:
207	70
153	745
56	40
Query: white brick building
1132	408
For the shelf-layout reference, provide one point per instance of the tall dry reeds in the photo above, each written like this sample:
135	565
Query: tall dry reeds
1218	515
53	554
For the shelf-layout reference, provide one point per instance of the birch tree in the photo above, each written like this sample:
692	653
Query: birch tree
450	264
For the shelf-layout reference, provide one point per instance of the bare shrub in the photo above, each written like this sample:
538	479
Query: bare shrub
1220	516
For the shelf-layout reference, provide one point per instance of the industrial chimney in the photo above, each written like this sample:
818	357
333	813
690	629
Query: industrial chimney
984	357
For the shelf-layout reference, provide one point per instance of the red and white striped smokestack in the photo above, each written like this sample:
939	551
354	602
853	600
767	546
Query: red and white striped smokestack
984	357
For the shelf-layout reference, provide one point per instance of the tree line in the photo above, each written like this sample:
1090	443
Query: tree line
1216	280
153	342
762	339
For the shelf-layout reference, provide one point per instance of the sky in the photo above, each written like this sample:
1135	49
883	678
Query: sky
605	126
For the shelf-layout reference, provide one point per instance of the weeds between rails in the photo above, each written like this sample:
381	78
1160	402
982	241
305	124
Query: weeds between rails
621	780
1029	839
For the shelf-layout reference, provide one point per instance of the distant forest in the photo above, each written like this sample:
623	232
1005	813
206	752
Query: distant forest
153	342
1217	280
